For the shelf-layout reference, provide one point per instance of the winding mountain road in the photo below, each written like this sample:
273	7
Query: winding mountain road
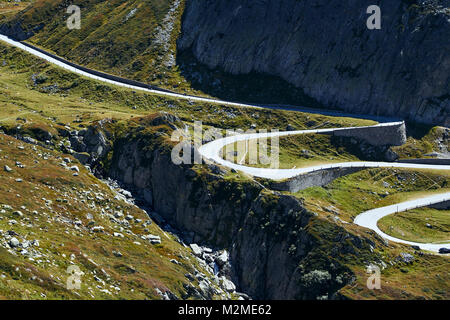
121	82
369	219
212	150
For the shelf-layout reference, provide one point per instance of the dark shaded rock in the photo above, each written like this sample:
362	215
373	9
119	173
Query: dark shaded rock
83	157
268	235
168	119
402	70
15	31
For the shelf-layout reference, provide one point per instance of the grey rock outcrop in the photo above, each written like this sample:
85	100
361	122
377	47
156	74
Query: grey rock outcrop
91	143
177	193
325	48
268	244
15	31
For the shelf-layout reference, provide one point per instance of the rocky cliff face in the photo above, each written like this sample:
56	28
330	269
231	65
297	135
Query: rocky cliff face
325	48
278	249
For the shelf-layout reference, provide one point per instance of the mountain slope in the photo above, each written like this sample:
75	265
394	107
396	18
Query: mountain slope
315	53
133	38
325	48
319	256
54	214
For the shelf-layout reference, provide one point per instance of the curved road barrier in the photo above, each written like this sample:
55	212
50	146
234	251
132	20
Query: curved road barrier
212	150
369	219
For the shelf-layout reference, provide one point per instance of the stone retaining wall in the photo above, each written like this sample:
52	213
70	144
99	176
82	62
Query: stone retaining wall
392	135
441	206
443	162
313	179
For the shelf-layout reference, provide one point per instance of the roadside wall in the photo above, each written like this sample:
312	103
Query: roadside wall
441	206
382	135
313	179
443	162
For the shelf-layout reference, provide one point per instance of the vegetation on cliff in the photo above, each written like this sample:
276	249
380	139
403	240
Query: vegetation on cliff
281	245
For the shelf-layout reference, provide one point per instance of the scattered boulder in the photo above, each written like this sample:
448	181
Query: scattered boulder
197	250
83	157
228	285
175	261
154	239
406	257
117	254
390	156
222	259
168	119
18	214
14	243
190	277
91	141
98	229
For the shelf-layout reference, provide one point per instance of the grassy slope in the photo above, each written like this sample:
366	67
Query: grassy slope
296	151
315	149
312	149
427	277
67	98
412	225
143	267
8	9
373	188
421	141
75	96
104	43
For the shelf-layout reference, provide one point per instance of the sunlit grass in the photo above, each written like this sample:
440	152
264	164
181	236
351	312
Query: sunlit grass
419	225
374	188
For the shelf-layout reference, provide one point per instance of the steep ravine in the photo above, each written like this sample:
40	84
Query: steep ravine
325	48
278	249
